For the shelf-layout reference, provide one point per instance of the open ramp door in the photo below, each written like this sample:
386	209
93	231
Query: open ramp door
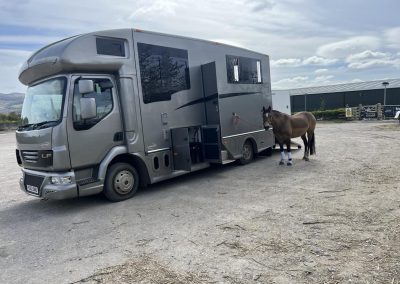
180	149
211	132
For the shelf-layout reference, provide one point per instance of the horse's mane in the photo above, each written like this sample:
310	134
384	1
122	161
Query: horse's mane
279	113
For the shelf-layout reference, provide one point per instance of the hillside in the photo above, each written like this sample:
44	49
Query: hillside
11	102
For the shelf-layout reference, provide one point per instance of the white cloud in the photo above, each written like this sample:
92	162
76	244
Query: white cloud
10	64
376	63
260	5
292	32
316	60
31	39
292	62
321	71
302	81
160	7
366	55
342	49
372	59
290	83
296	62
324	78
392	37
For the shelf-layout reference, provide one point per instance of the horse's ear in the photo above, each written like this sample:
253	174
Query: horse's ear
263	110
269	109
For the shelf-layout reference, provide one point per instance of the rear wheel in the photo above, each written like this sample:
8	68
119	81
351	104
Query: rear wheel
247	153
122	182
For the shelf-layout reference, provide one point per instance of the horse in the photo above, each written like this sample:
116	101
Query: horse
286	127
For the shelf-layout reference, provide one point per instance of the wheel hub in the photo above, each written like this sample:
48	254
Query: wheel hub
123	182
246	152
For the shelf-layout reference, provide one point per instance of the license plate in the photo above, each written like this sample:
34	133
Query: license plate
32	189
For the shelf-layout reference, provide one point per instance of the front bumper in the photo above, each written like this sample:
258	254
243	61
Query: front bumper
45	189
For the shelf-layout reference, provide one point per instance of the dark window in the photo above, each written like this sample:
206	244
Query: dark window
163	70
104	103
108	46
243	70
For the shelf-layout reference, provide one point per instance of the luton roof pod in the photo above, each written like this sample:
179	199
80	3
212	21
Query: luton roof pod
102	51
93	52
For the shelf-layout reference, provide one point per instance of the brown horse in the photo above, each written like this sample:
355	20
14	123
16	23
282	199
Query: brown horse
286	127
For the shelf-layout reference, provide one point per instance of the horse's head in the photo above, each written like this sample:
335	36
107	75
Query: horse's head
267	119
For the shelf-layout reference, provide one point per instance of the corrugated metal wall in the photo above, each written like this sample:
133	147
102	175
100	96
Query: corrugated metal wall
323	101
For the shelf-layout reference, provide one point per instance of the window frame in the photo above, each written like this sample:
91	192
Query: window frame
153	97
103	46
65	82
86	126
231	70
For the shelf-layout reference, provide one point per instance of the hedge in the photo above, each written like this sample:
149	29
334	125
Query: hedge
329	114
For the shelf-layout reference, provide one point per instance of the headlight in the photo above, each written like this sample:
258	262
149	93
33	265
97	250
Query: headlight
61	180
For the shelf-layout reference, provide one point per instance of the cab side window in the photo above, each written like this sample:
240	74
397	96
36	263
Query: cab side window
104	103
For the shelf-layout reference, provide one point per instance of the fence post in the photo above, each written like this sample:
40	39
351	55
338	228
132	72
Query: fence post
379	111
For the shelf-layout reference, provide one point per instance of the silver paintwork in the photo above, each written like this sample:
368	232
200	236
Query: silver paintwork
49	190
147	128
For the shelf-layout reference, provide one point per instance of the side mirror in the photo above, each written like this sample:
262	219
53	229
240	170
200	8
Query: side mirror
86	86
88	108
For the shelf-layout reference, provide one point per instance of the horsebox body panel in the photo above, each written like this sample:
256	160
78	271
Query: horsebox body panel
209	99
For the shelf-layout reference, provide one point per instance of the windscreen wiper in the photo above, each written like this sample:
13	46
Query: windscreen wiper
42	124
36	125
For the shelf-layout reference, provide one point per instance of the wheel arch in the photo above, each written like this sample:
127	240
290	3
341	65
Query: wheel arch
120	154
135	162
253	144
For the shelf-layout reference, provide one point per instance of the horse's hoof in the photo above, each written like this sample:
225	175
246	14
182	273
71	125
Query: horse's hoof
306	159
281	163
290	164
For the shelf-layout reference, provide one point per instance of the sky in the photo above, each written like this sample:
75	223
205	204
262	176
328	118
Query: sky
310	42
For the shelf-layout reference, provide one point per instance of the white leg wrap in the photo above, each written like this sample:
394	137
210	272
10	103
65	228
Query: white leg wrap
283	156
289	156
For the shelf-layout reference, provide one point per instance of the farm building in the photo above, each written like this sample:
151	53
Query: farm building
386	92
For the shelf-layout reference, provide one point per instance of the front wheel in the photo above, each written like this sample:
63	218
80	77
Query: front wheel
247	153
122	182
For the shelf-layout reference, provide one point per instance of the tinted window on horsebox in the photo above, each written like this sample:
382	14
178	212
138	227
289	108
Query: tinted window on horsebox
243	70
163	71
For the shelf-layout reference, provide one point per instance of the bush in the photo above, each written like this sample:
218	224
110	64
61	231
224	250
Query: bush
330	114
12	117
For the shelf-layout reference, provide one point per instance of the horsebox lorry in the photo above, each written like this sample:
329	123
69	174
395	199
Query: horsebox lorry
113	110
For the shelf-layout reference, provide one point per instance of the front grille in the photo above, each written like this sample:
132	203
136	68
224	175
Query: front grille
30	156
41	158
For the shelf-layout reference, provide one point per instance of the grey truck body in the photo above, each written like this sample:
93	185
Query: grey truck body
167	105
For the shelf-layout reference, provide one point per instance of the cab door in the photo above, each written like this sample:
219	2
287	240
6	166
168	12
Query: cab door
91	139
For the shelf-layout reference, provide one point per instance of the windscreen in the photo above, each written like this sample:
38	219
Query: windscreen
43	102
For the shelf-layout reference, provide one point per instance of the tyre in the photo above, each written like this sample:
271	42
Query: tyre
122	182
247	153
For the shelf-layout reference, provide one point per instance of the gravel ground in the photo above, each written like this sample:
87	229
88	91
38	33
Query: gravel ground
334	219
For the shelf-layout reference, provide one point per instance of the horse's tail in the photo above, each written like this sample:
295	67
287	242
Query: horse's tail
312	144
